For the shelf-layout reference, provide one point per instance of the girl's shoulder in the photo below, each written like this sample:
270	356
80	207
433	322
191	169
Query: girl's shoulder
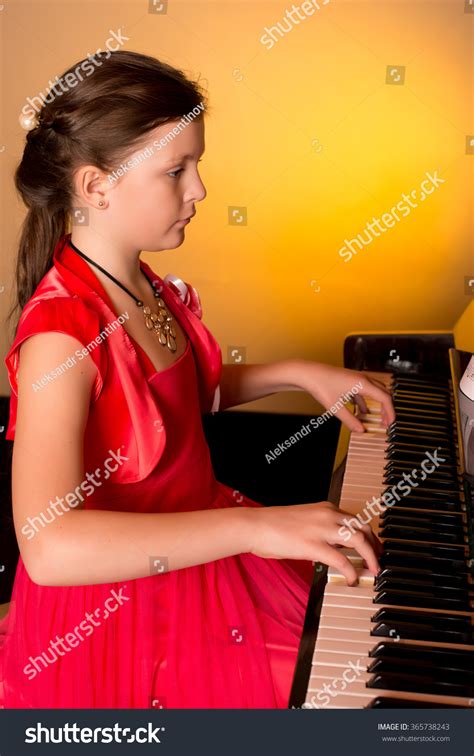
61	313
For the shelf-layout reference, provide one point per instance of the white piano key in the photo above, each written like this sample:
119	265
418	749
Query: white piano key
364	576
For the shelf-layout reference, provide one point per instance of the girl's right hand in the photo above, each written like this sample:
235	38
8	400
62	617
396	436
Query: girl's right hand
312	531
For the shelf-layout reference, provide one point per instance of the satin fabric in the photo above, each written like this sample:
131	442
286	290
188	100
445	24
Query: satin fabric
224	634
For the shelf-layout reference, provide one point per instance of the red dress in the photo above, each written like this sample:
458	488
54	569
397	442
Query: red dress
224	634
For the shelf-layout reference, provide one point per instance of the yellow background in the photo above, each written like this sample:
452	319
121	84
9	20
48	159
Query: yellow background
310	139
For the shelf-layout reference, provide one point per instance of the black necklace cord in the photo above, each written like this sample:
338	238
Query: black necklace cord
138	302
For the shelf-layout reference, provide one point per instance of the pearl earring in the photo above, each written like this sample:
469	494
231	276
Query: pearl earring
101	203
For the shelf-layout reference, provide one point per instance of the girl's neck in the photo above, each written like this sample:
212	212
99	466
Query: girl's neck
124	265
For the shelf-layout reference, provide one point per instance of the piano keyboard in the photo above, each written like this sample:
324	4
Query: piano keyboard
404	638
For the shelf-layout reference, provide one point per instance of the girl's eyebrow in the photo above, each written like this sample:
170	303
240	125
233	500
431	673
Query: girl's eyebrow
178	158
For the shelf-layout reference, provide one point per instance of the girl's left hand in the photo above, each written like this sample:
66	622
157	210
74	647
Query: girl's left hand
328	384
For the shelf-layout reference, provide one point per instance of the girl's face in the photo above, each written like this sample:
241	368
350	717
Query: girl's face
148	202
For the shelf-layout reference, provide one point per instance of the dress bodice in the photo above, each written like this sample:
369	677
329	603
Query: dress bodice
183	478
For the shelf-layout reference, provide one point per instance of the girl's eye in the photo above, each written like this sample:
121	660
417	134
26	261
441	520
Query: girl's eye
174	174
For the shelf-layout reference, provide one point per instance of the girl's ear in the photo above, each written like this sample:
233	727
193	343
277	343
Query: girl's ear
91	186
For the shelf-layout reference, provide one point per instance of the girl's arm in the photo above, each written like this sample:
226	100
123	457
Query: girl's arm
245	383
84	547
92	546
327	384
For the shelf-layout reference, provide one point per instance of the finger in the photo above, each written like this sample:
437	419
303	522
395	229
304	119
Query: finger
363	546
349	420
382	396
330	556
359	401
374	540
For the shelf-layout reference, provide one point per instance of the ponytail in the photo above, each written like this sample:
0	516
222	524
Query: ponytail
40	233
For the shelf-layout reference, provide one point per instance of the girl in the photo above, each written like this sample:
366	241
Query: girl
142	580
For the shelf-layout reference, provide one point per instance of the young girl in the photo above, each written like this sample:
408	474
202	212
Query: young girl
142	580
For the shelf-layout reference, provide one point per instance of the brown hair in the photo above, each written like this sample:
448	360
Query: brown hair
99	121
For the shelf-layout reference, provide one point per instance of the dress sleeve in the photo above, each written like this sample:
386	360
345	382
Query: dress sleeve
67	315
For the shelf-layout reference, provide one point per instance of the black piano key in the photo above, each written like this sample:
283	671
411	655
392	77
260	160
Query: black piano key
463	675
439	402
426	412
438	395
416	433
419	684
437	530
412	516
403	460
424	419
429	496
424	398
442	471
435	488
414	445
420	400
417	427
414	456
423	599
417	453
436	494
422	390
394	518
421	383
438	620
397	510
441	480
426	422
387	702
423	586
407	440
425	502
447	578
402	559
420	631
444	467
439	656
457	554
413	406
421	437
419	534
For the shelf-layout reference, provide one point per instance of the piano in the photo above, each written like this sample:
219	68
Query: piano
406	637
